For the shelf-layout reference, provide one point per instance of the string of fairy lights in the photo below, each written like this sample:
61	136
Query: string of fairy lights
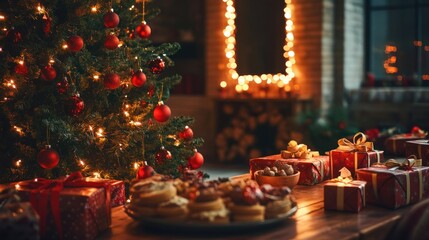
244	82
96	133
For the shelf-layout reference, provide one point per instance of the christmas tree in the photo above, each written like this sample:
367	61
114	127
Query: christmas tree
83	77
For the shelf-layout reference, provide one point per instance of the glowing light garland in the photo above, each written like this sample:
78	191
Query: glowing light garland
281	79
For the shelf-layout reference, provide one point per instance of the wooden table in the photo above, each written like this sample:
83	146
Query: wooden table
311	221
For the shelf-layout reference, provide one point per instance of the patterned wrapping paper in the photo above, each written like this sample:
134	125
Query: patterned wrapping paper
344	196
395	145
117	190
84	212
313	170
395	188
419	148
352	160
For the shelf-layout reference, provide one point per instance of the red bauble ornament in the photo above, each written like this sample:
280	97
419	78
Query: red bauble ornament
151	90
138	79
143	30
111	20
63	86
162	155
157	65
112	81
48	158
75	43
143	103
161	113
48	73
13	36
75	106
186	134
196	161
21	69
145	171
46	25
111	42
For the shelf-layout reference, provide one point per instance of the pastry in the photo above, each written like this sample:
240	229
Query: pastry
157	199
208	207
175	209
277	200
246	203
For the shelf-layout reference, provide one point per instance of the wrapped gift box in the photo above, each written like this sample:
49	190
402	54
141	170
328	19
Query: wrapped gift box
76	209
344	196
395	145
313	170
117	190
19	221
395	188
352	160
419	148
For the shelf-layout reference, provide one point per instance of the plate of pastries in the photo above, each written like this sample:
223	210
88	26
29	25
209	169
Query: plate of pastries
160	202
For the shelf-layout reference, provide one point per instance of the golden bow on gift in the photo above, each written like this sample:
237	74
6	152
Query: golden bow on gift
359	144
295	150
410	162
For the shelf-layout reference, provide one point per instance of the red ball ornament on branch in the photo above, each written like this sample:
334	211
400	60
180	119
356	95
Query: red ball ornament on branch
75	43
162	155
111	20
48	158
138	79
145	171
63	86
162	112
112	81
46	25
196	161
48	73
143	30
186	134
75	106
111	42
21	69
157	65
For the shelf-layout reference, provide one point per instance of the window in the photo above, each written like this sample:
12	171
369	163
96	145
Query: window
398	41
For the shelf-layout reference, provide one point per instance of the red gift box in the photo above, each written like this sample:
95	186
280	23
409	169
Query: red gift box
419	148
117	190
352	160
344	196
395	188
395	144
69	208
313	170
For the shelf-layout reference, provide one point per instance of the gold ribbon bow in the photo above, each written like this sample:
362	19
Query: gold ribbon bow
295	150
410	162
359	144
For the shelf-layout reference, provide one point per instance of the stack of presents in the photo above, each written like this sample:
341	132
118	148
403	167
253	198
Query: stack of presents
73	207
355	174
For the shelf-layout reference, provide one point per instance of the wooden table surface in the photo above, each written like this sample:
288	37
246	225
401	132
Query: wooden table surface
311	221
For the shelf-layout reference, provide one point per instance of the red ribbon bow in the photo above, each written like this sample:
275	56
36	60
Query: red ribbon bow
42	190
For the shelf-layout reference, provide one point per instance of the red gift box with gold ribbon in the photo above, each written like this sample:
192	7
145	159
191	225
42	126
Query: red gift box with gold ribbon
396	144
394	188
419	148
353	155
313	170
344	196
70	208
